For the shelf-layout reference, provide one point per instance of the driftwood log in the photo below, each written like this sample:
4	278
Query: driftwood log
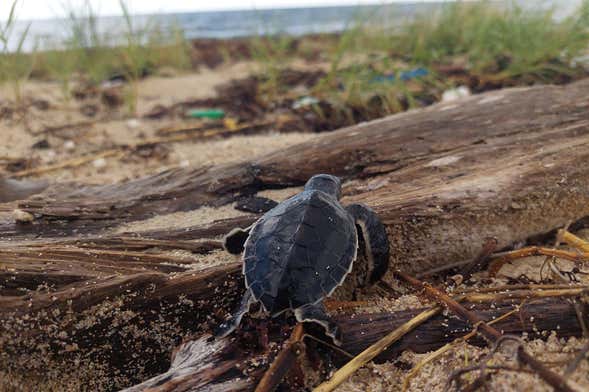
507	164
203	363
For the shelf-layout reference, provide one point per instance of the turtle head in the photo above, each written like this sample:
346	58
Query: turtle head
325	183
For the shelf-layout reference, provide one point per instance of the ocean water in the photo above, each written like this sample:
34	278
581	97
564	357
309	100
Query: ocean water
221	24
45	34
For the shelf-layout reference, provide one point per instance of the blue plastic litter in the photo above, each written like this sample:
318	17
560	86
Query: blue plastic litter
404	75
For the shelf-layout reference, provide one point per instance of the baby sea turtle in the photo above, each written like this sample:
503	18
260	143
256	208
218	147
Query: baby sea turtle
300	251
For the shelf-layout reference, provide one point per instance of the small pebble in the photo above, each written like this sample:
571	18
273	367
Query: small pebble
69	145
133	123
457	279
21	216
99	163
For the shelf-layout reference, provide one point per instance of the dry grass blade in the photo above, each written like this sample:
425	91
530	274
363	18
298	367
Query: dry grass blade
573	240
202	127
532	286
367	355
63	127
526	294
181	137
67	164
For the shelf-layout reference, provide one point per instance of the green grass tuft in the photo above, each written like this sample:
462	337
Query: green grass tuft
494	43
15	66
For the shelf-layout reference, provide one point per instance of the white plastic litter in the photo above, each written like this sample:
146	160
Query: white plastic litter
455	93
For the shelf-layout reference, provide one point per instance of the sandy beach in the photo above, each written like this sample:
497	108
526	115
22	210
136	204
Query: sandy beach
119	265
111	133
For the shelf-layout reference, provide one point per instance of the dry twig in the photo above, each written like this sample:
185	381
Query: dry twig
447	347
534	251
283	361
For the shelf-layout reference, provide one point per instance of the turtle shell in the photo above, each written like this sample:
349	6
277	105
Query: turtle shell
299	251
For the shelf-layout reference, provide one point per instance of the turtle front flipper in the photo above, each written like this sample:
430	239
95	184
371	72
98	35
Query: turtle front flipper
376	249
234	241
316	313
230	325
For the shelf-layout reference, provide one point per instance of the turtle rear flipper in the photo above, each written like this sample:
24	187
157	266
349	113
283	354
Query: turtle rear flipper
316	313
230	325
234	241
376	249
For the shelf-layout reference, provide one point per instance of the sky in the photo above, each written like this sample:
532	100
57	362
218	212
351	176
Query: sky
44	9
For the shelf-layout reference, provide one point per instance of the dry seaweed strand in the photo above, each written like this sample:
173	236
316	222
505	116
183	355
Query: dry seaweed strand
283	361
483	366
361	359
75	162
447	347
480	380
550	377
367	355
578	243
581	245
577	361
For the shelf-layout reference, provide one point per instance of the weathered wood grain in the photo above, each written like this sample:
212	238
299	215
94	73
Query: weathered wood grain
192	369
